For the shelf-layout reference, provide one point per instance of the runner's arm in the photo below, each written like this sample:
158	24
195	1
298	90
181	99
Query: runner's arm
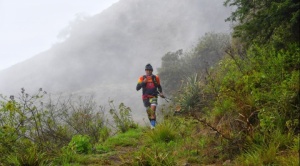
140	83
159	88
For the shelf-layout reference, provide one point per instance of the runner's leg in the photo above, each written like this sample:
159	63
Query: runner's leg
153	102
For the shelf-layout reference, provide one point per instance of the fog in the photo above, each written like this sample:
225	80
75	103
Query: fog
104	55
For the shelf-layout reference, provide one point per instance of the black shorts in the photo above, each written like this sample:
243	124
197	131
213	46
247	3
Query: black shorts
150	101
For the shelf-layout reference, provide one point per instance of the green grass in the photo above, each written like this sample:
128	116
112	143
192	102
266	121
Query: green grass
164	132
129	138
178	141
277	148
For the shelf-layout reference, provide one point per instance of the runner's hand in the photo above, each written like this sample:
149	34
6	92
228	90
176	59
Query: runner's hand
145	80
161	95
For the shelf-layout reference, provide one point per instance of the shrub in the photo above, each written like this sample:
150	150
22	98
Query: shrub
189	97
47	124
122	118
80	144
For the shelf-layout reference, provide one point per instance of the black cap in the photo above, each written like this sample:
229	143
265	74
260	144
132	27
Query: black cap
148	67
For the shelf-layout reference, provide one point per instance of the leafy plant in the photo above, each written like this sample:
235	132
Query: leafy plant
266	21
80	144
48	125
122	118
104	134
189	96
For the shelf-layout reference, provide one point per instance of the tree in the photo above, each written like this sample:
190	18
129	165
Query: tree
171	71
177	66
266	21
209	50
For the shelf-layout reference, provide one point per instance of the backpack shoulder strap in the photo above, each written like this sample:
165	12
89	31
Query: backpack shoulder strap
154	80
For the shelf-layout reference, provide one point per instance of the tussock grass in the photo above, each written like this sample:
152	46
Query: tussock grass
164	132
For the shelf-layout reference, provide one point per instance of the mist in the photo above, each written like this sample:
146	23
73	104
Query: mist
104	55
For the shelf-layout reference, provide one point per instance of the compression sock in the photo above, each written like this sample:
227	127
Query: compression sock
153	122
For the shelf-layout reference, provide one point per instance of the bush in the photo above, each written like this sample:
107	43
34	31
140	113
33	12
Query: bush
80	144
261	88
189	96
250	97
46	125
122	118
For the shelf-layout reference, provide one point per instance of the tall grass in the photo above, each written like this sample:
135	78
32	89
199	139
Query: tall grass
164	132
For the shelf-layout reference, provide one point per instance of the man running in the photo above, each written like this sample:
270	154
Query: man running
151	89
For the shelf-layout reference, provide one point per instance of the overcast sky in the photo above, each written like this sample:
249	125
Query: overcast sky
32	26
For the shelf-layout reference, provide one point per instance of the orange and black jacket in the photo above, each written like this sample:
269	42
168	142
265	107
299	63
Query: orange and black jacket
151	88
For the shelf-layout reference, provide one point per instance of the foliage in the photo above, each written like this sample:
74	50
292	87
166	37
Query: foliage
171	71
164	132
172	142
20	126
208	51
190	94
104	134
266	21
155	157
80	144
66	156
252	100
82	116
122	118
266	151
176	66
128	138
30	121
29	155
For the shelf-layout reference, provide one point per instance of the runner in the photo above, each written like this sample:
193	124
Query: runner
150	85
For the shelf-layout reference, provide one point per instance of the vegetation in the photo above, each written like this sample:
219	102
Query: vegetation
177	66
238	104
266	22
251	96
35	133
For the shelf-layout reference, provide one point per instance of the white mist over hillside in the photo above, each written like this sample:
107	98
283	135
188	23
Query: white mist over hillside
105	54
